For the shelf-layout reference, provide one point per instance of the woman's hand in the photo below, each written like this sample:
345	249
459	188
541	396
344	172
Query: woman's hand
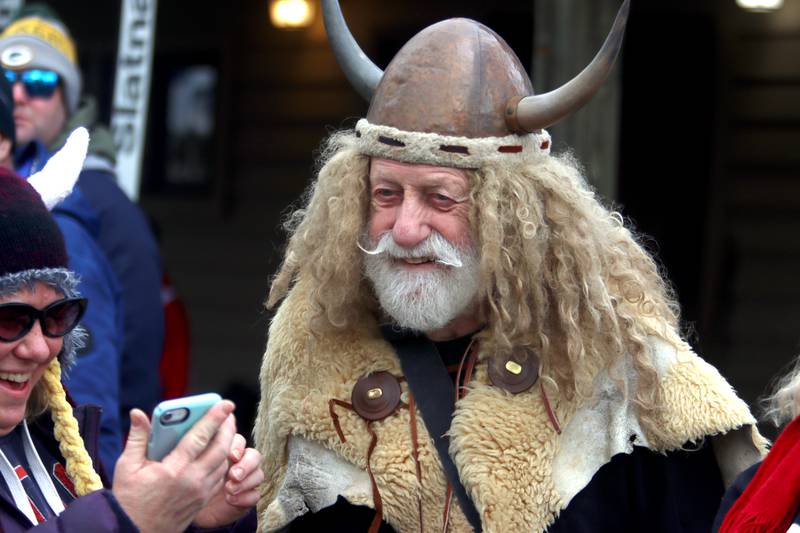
167	495
240	491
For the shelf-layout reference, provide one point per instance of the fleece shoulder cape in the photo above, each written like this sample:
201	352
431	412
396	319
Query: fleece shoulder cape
518	470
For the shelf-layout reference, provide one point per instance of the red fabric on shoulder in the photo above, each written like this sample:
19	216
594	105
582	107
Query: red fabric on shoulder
770	501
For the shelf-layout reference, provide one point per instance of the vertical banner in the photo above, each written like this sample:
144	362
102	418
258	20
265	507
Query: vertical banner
7	8
132	90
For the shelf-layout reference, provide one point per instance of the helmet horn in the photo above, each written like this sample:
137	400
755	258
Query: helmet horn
363	74
532	113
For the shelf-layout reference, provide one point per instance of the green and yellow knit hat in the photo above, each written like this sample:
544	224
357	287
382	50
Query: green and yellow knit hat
38	39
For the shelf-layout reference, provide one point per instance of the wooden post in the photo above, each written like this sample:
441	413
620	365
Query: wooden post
567	35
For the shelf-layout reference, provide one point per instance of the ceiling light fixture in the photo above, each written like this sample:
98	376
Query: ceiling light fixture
289	14
760	6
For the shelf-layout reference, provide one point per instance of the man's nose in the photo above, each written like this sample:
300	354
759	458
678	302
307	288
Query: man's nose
18	92
410	227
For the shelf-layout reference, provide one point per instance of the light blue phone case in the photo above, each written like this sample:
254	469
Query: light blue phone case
164	437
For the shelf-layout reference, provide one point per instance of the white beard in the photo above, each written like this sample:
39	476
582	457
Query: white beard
423	300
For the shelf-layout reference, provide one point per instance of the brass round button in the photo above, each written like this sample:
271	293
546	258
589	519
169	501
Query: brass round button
376	396
516	374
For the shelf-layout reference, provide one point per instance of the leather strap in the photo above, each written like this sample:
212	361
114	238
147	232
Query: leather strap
434	394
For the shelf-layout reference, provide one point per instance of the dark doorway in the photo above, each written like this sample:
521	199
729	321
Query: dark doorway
668	141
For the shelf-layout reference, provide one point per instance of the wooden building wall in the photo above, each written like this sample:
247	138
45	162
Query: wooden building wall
709	171
758	231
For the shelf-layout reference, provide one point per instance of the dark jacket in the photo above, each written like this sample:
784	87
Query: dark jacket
95	512
95	377
128	242
733	493
98	512
124	236
642	491
122	233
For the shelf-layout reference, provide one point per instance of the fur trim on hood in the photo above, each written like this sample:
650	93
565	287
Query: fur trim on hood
62	280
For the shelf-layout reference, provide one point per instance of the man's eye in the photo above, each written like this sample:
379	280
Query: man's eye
442	200
385	194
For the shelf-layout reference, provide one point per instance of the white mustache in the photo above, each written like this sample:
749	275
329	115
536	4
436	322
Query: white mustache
435	246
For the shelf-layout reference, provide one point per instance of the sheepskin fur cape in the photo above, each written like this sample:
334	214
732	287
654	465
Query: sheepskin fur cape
518	470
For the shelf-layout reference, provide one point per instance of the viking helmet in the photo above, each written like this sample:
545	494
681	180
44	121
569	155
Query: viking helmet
457	95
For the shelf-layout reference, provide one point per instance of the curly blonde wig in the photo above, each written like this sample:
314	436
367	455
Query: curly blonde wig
561	275
783	404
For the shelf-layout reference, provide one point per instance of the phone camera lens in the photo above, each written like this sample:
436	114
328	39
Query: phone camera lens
174	416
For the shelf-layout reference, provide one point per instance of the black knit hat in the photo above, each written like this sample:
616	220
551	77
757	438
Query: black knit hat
29	236
32	248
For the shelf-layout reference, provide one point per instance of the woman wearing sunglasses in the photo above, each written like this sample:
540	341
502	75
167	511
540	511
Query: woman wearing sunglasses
49	478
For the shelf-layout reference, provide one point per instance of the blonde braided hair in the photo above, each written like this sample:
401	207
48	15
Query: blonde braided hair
79	464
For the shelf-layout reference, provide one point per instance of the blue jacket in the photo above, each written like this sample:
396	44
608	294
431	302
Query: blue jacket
126	239
95	378
124	236
128	242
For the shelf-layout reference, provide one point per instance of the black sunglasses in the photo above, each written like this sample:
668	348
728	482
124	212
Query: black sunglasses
57	319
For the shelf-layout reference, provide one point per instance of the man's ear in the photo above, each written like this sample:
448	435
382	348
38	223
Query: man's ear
5	152
62	98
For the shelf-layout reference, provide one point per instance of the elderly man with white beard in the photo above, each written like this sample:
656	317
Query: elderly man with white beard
467	339
419	223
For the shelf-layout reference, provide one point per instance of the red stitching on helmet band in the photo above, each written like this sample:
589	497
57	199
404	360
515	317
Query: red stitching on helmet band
454	149
510	149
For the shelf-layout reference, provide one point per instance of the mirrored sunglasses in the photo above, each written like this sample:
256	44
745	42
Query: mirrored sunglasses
57	319
38	83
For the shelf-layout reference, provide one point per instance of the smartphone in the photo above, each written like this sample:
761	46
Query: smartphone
173	418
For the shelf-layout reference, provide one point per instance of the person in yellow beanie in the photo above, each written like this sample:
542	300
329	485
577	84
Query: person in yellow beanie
40	59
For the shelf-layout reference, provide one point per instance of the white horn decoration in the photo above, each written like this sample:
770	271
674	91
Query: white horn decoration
362	73
532	113
58	177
